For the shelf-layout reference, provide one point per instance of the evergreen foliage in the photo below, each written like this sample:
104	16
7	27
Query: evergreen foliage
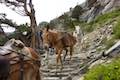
77	11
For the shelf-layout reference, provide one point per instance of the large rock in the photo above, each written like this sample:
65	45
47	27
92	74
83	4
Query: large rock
1	31
114	50
92	40
108	7
89	3
97	7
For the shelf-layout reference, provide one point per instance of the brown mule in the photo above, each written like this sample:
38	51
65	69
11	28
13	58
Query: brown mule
30	64
58	40
30	67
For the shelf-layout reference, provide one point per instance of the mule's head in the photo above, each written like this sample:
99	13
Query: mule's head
46	37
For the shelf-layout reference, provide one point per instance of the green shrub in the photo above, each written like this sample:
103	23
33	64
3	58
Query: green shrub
110	43
23	27
2	40
100	20
14	35
89	28
109	71
116	30
77	11
86	27
108	16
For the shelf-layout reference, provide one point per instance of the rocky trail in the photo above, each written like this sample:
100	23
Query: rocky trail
82	58
71	70
75	69
49	72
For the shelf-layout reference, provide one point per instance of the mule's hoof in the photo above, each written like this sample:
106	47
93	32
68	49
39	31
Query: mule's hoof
56	72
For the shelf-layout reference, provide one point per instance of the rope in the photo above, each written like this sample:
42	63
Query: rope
20	53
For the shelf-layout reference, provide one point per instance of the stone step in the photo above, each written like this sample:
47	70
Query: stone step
55	74
62	71
65	69
71	65
54	78
49	72
51	78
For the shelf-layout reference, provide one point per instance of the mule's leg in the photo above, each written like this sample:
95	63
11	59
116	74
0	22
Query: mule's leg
56	60
27	74
71	50
59	59
38	76
65	54
34	75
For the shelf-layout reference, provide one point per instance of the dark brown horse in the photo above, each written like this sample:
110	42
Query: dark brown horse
58	40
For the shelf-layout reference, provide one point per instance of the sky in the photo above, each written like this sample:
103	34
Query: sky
46	10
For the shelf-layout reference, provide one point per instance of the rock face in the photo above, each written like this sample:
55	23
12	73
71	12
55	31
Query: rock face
114	50
91	9
96	7
1	32
91	43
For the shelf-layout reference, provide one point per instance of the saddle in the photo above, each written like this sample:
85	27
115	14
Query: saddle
4	50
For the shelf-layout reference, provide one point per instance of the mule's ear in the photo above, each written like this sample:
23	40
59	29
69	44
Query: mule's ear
47	27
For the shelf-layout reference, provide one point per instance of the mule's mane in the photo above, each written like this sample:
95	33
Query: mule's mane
53	37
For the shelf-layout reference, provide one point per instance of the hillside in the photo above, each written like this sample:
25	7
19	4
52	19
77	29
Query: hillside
101	33
99	21
86	12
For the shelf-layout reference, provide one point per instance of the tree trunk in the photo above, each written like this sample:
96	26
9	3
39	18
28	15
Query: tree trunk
29	11
33	26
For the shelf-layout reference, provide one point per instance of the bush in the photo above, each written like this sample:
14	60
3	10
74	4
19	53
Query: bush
116	30
23	27
77	11
109	71
110	43
14	35
103	18
2	40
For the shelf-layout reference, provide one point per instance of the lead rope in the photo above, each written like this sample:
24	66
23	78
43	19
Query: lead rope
21	58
